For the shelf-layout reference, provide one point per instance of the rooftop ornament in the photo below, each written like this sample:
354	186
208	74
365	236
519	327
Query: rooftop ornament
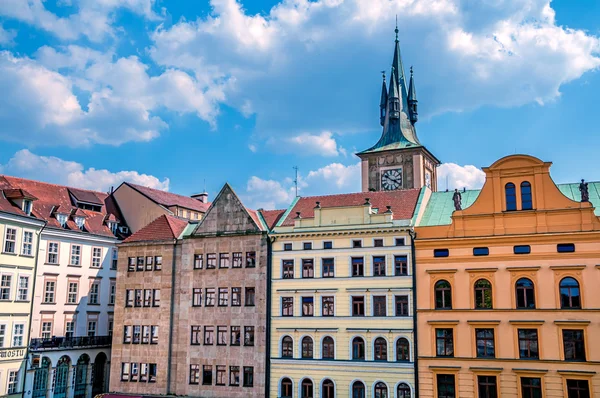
298	215
457	199
318	206
367	202
389	209
583	188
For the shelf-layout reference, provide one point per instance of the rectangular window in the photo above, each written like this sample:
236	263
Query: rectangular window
137	334
221	369
149	263
235	335
287	247
358	266
133	377
69	329
485	343
131	264
147	297
196	335
151	373
113	292
358	306
379	266
91	328
565	248
223	297
378	242
328	267
287	306
446	386
75	255
49	290
96	257
236	296
210	297
197	297
209	335
379	305
327	245
223	260
154	334
115	258
18	332
198	261
5	286
73	293
143	372
288	269
444	342
308	306
400	265
10	240
125	371
401	305
221	335
481	251
234	376
145	334
13	381
27	243
248	376
2	334
399	242
127	334
237	260
574	345
356	244
327	305
94	293
441	252
207	375
157	267
523	249
129	298
578	388
52	253
248	335
140	264
531	387
46	330
307	245
250	259
111	323
250	292
211	261
156	297
308	268
528	344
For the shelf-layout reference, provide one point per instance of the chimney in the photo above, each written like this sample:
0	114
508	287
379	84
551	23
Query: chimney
202	197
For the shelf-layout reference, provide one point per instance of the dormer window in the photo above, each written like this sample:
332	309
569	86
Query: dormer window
80	221
62	219
27	205
113	227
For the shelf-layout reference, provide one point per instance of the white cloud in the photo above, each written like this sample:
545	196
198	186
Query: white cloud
456	176
58	171
267	194
305	66
334	178
307	144
7	36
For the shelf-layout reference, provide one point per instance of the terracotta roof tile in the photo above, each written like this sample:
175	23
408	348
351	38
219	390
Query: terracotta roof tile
163	228
403	203
169	199
17	193
85	196
272	216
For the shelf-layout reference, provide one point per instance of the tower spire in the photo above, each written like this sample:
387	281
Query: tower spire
383	102
412	99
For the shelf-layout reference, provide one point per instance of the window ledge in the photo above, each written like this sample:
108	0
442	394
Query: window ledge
27	255
73	265
9	253
53	264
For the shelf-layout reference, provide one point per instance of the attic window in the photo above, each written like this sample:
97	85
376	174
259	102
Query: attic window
522	249
27	206
441	252
113	227
80	221
481	251
89	206
62	219
565	247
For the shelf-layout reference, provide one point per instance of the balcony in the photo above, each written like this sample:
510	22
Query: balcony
64	343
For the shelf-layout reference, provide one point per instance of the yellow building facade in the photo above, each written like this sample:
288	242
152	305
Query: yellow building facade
341	298
19	234
508	302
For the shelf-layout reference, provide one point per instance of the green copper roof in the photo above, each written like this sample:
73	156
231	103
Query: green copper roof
440	206
384	96
412	89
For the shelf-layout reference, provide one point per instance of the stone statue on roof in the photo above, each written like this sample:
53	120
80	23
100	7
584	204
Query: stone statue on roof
457	199
583	188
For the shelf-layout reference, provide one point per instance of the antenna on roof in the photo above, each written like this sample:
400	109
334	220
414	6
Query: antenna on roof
296	179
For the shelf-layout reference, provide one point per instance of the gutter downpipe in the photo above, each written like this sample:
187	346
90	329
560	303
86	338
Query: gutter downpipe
35	267
413	236
268	328
171	316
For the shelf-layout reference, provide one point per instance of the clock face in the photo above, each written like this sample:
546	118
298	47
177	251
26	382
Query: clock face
391	179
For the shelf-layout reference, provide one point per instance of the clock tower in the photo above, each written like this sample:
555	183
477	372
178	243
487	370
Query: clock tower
398	160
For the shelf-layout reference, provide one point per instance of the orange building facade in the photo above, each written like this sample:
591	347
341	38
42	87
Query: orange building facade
507	288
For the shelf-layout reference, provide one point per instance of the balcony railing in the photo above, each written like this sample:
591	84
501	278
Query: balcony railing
58	343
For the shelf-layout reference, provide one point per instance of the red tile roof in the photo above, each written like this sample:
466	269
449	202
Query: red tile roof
169	199
52	198
163	228
403	203
255	217
18	194
86	196
272	216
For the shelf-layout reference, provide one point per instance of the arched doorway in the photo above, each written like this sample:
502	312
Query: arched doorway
99	374
81	372
61	377
40	379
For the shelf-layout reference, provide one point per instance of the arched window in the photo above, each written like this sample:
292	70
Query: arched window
443	295
61	377
307	347
380	349
511	196
328	348
307	388
525	293
100	372
483	294
40	379
403	391
402	350
569	293
287	347
358	390
358	348
526	201
380	390
287	388
81	371
328	389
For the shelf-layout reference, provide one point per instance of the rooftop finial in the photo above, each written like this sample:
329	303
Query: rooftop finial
411	71
396	30
383	74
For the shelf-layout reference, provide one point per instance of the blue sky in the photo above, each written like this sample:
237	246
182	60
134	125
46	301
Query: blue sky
173	93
